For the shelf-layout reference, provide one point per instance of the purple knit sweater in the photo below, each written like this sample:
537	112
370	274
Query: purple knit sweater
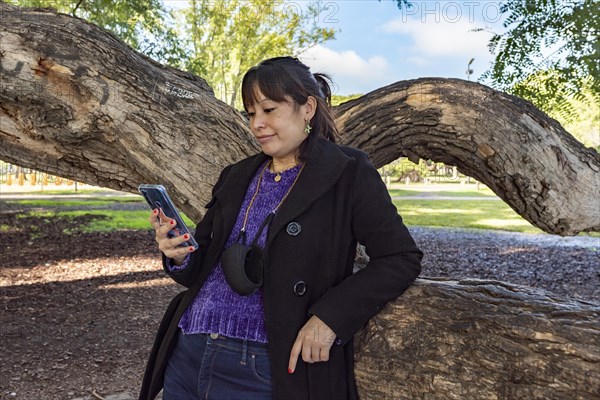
217	308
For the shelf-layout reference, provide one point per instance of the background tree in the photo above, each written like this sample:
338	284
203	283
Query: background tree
218	40
586	127
225	38
337	99
549	53
143	24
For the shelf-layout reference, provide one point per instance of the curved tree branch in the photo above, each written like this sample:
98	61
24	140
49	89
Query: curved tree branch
525	157
77	102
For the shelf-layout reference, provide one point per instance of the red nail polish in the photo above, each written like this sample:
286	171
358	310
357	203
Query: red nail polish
155	211
290	371
191	248
186	236
172	222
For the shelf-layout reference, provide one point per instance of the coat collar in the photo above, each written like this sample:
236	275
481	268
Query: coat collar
324	165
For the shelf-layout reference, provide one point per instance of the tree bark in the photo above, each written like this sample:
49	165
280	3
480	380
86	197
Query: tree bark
474	340
525	157
78	103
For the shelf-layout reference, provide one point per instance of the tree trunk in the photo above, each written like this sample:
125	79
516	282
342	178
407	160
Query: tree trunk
477	339
78	103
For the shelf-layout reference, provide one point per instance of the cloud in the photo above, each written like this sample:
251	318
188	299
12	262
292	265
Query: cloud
351	72
443	37
418	60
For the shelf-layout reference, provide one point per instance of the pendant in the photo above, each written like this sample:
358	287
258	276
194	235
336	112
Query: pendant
277	177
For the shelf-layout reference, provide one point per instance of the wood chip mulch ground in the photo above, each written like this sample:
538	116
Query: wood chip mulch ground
79	310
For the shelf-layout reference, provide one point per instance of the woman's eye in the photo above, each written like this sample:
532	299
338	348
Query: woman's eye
251	114
268	110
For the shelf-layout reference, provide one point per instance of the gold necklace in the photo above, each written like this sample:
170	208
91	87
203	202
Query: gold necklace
277	176
243	230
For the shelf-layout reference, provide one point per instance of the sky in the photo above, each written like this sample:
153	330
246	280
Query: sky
377	44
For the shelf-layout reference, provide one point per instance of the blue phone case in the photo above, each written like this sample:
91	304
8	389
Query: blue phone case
157	197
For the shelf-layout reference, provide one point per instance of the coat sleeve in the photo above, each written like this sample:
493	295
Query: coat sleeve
395	259
203	236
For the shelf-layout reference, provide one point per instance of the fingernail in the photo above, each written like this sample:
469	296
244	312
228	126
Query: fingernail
155	211
290	371
172	222
186	236
191	248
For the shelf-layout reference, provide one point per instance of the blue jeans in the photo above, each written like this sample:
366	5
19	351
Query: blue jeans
216	367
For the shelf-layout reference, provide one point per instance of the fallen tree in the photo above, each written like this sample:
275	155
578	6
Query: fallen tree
77	102
476	339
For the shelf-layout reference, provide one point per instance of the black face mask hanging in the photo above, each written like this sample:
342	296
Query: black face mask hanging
243	264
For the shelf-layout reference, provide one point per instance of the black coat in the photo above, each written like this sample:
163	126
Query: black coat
339	199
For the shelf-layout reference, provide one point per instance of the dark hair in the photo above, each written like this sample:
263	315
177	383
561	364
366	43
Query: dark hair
281	78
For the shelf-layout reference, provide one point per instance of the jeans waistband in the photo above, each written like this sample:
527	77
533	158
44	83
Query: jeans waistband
241	345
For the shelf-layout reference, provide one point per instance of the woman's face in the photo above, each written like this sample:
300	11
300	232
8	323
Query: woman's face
279	126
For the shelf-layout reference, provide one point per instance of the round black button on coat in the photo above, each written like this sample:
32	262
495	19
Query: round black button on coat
300	288
293	228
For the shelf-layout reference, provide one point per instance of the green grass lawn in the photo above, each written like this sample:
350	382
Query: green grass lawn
98	201
484	192
463	214
69	192
109	219
443	213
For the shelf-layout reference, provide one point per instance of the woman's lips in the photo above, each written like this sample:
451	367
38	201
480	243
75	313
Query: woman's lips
263	139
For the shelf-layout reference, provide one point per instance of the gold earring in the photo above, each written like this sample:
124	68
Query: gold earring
307	128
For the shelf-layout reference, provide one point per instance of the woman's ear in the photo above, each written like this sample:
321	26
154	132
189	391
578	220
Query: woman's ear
310	108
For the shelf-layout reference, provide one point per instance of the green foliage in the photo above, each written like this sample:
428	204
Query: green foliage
217	40
579	115
142	24
585	127
336	99
403	168
548	53
402	3
225	38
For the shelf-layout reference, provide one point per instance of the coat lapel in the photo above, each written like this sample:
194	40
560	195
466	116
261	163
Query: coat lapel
324	165
323	168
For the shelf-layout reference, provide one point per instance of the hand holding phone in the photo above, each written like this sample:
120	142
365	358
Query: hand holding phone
172	235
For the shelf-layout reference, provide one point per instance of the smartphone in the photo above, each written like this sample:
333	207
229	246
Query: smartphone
157	197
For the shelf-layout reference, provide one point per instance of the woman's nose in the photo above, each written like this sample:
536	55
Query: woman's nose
257	122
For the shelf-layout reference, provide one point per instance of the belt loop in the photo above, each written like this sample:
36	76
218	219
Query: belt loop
244	352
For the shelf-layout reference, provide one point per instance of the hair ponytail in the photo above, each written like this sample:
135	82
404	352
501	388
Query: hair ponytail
324	86
325	119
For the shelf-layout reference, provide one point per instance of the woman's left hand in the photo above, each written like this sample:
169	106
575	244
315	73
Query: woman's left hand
313	342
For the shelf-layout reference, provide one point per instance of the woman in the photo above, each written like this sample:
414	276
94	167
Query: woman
278	321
